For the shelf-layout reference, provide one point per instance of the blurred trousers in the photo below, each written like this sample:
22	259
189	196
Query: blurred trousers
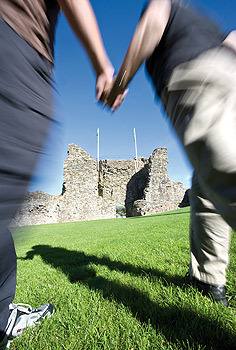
25	113
200	100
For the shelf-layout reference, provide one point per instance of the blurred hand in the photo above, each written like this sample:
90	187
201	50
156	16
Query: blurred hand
103	84
116	96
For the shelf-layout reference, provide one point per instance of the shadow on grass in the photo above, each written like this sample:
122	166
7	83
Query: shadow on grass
176	323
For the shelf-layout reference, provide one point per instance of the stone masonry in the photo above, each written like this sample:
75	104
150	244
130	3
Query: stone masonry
151	190
80	199
114	176
91	191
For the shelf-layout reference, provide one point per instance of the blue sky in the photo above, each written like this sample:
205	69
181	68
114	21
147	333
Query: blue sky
79	116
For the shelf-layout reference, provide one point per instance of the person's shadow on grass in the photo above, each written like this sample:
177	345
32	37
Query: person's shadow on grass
175	322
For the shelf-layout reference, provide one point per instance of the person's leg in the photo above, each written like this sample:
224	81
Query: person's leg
201	103
25	112
209	239
13	186
210	142
7	278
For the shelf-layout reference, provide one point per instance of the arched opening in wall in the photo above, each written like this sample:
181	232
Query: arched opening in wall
100	190
135	189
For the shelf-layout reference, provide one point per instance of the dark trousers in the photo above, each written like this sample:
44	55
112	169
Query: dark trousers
25	113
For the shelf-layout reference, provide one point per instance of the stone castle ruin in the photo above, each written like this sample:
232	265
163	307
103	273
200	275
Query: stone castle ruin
92	190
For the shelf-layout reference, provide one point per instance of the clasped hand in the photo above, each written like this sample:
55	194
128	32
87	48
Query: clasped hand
108	91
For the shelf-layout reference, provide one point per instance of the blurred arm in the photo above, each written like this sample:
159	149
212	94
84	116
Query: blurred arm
146	37
82	20
231	40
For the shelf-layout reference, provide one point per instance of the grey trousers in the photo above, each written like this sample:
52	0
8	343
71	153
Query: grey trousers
200	100
25	112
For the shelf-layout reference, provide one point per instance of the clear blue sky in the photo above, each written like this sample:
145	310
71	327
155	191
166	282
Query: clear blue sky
79	116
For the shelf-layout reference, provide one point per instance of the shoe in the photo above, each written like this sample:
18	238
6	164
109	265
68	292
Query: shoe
216	292
22	316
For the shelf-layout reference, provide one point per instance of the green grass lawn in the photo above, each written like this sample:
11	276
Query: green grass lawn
118	284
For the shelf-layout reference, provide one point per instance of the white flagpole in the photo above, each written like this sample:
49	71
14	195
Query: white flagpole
98	149
136	151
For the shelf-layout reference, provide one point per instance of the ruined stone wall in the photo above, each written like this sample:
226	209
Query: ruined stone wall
114	176
89	193
38	208
79	199
80	189
159	194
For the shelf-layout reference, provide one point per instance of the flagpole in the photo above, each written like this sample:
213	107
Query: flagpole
98	149
136	151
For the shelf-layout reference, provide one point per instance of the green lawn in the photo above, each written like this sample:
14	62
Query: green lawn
117	285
